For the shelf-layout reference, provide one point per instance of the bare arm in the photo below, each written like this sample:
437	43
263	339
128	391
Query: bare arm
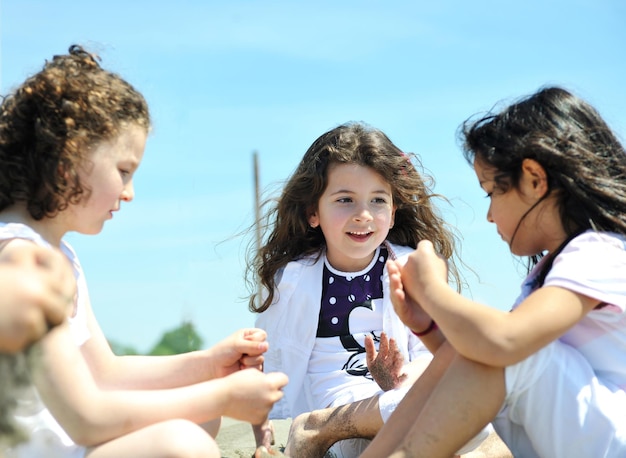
483	333
162	372
92	415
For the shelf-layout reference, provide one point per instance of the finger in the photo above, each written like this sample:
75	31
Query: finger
255	334
251	347
425	246
278	379
383	345
255	362
392	267
370	350
393	346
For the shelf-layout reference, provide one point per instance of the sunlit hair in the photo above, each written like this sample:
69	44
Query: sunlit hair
583	159
287	233
50	122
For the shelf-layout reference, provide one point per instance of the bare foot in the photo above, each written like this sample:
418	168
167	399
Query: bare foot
263	452
306	436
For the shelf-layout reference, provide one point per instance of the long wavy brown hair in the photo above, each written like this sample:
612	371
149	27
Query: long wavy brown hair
286	231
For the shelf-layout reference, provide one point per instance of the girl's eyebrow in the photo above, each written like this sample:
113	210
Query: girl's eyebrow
342	191
130	163
348	191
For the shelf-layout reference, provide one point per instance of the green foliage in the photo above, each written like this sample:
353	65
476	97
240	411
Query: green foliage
121	349
182	339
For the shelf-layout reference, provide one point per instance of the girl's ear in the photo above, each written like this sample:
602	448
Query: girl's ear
535	176
393	217
314	220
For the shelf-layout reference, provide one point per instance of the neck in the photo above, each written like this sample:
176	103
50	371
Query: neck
48	228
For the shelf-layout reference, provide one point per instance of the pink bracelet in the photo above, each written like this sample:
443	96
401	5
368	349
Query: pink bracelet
431	327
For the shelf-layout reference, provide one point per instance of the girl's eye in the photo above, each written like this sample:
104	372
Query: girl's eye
124	173
379	200
489	194
344	200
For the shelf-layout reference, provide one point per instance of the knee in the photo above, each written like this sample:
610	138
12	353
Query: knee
185	439
213	427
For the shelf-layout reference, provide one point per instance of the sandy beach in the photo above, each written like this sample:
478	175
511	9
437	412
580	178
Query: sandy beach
236	439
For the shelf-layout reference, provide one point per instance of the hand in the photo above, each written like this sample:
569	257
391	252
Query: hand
242	350
252	394
37	291
385	365
409	311
424	272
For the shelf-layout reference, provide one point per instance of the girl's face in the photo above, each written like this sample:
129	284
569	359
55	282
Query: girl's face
355	213
109	176
527	232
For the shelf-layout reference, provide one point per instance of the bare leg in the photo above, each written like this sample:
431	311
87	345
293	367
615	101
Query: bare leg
400	422
467	397
492	447
178	438
313	433
212	427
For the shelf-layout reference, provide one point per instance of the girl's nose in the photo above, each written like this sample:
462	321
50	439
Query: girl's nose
128	193
489	218
363	214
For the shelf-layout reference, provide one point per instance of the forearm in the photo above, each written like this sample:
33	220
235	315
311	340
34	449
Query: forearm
157	372
143	372
106	415
476	331
92	415
433	340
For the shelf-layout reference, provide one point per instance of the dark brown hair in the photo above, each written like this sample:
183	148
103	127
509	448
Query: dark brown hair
288	235
583	159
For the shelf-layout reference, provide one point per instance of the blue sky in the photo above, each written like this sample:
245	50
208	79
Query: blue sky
224	79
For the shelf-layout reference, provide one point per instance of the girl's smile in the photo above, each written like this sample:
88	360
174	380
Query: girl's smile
355	213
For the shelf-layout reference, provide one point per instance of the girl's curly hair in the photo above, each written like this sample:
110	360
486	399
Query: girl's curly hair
49	123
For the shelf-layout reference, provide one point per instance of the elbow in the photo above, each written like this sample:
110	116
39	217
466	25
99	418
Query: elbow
88	430
85	433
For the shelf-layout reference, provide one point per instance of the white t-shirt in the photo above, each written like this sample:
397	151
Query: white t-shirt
46	437
594	264
351	308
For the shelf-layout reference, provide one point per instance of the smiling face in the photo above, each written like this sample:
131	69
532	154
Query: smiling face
355	213
109	176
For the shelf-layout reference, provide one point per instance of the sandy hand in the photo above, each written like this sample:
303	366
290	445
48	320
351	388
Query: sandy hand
386	365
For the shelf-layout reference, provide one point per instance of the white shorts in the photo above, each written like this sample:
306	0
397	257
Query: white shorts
557	407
